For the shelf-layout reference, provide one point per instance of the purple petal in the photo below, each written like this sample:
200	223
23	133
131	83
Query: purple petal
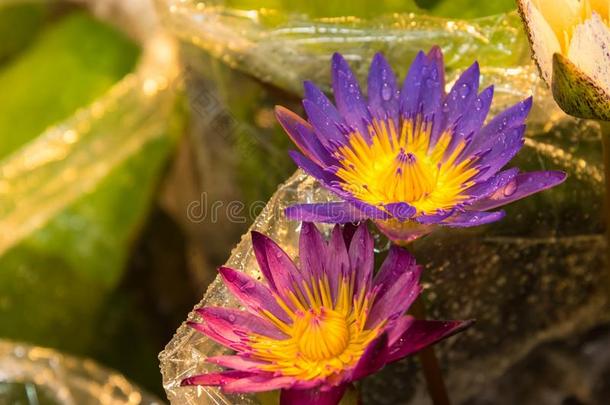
361	258
401	210
242	323
397	298
433	80
471	121
382	90
473	218
333	213
439	216
348	96
303	137
254	295
492	185
461	95
512	117
323	115
411	88
523	185
374	357
258	383
501	152
239	363
422	334
397	262
337	259
313	396
275	264
215	379
312	250
313	169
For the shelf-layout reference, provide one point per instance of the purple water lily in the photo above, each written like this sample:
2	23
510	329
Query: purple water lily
413	157
312	330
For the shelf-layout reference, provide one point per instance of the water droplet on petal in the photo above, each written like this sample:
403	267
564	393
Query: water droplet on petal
386	92
232	318
478	104
510	188
464	90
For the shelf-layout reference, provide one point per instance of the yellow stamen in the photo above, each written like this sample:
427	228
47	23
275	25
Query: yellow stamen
404	168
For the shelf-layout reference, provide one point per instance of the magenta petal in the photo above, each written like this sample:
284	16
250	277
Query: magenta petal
215	379
237	363
220	332
423	333
397	262
337	259
374	358
348	96
312	396
277	265
361	258
524	184
241	322
382	90
330	213
397	298
397	327
254	295
259	383
473	218
312	251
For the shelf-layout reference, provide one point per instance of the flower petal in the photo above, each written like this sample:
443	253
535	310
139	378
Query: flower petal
423	333
337	259
461	95
303	136
330	213
473	218
313	396
382	90
523	185
254	295
501	152
397	298
411	88
348	96
374	358
397	262
361	258
215	379
313	169
401	210
589	50
490	186
312	250
323	115
240	363
258	383
491	133
397	327
279	269
241	323
221	332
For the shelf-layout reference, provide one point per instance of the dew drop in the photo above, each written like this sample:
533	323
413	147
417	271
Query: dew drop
478	104
445	107
232	318
464	90
510	188
386	92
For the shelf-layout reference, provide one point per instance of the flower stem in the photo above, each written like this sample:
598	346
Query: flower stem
429	363
605	134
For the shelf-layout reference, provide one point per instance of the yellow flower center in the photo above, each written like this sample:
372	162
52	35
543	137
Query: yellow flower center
401	167
321	334
326	334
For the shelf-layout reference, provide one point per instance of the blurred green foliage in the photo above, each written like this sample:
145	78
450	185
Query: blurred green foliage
73	61
19	26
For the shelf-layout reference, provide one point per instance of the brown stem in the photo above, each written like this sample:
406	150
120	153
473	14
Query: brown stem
605	133
429	363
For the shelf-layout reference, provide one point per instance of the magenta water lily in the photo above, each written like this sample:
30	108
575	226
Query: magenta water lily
313	329
412	157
